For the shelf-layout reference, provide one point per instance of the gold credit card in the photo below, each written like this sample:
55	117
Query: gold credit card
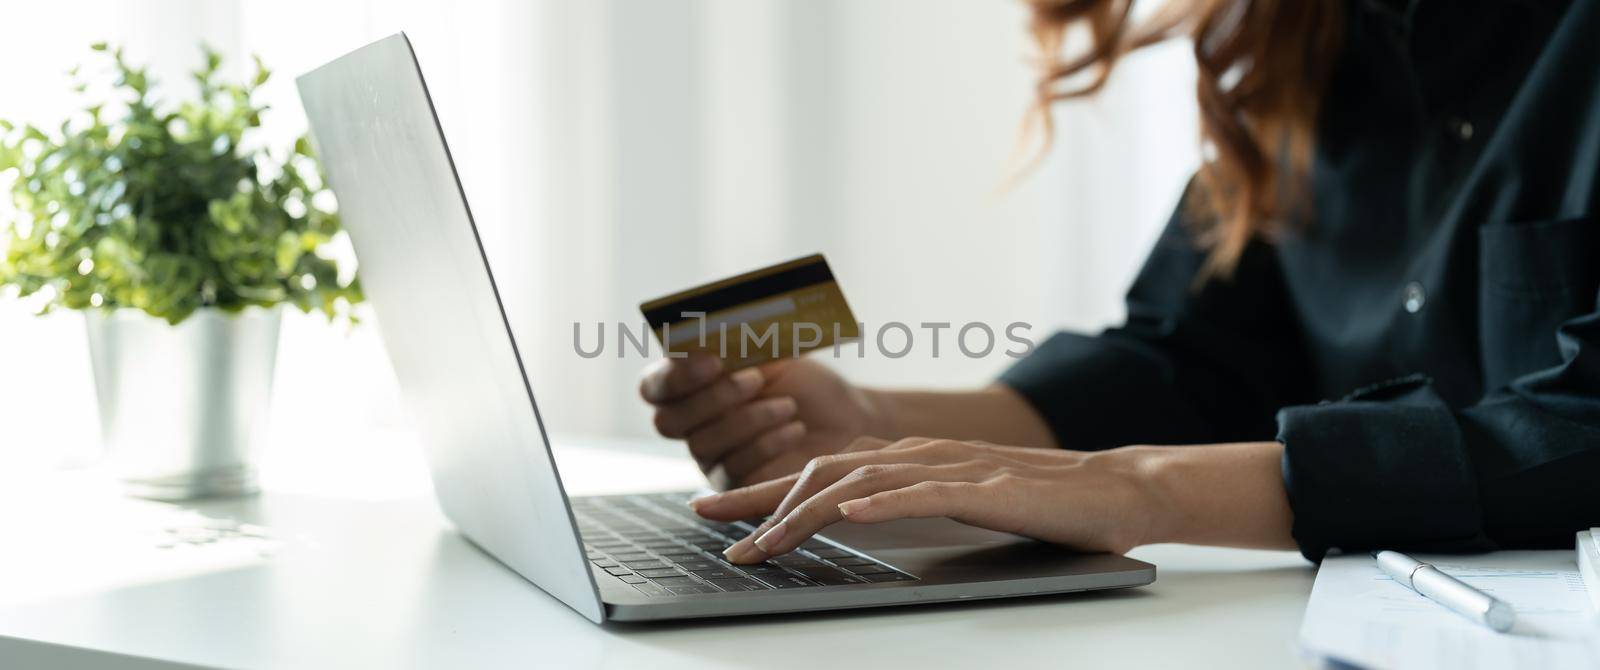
776	312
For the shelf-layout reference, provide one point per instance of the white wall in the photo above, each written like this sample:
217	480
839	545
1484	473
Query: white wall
615	150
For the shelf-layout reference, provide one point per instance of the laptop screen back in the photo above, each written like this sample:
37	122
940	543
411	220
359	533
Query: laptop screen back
424	271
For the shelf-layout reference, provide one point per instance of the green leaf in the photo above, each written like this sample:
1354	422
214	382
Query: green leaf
184	211
262	73
288	252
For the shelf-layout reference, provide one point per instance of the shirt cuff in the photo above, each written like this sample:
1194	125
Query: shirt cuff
1386	468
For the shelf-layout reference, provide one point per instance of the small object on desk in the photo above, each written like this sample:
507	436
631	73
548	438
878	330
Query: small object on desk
1358	616
1435	585
1589	563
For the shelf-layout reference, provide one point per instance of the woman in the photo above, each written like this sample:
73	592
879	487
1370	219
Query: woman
1372	320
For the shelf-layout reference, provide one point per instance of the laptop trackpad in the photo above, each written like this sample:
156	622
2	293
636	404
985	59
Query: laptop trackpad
914	534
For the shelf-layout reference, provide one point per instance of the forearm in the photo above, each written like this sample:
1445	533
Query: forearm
993	414
1215	494
1220	494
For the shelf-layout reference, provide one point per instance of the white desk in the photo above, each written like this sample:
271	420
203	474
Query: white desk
384	583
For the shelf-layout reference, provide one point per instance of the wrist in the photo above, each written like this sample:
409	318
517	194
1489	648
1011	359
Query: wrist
1221	494
1157	478
1151	511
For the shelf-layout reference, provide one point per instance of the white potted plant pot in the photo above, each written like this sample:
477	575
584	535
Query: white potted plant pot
143	223
183	407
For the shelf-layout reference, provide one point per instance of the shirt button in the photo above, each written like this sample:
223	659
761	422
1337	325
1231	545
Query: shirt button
1415	297
1462	128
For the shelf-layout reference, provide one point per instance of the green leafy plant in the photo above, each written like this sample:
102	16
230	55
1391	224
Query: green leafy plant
169	208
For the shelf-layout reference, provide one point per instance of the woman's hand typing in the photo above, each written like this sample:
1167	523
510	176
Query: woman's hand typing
1093	501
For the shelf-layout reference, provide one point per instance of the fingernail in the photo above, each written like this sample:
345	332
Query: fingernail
736	553
771	538
849	507
748	380
786	407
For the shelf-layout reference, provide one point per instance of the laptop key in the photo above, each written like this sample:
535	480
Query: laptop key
691	589
674	581
655	538
820	571
831	552
738	584
786	581
651	589
837	578
796	561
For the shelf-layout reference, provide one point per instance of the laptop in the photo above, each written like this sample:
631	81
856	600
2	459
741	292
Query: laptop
463	383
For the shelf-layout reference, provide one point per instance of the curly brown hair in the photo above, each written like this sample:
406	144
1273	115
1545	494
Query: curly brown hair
1263	66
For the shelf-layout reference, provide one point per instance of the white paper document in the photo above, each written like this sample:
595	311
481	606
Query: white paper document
1360	616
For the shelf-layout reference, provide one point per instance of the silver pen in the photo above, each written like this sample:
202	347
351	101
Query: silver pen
1435	585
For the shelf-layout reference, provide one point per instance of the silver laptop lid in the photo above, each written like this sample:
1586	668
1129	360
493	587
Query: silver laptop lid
423	268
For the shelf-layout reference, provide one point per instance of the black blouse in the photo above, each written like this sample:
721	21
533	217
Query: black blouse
1445	292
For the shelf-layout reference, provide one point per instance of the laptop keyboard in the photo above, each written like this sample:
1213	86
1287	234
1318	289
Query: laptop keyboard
657	545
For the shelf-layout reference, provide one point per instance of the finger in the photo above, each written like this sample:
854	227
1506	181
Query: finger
997	454
777	468
753	500
678	418
966	503
1050	456
822	510
754	462
865	444
819	472
822	472
713	441
671	378
771	457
